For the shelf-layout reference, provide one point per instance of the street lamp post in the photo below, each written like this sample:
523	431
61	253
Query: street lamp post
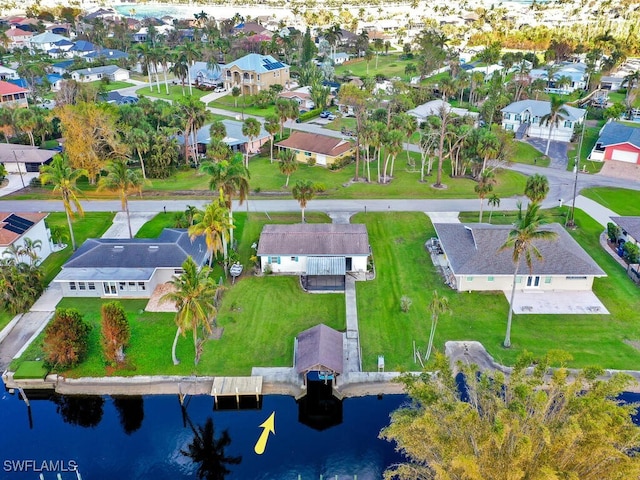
571	222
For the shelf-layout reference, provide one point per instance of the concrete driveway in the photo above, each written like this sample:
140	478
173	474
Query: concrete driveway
557	151
120	229
17	182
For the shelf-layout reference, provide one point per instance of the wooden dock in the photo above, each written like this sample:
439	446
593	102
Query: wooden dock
236	387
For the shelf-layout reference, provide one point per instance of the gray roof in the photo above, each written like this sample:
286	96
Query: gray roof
317	239
319	348
169	250
540	108
234	134
614	133
10	153
631	225
473	249
107	69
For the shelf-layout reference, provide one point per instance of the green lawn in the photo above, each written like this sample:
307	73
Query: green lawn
622	201
175	92
5	318
388	65
245	104
591	134
384	329
109	87
525	153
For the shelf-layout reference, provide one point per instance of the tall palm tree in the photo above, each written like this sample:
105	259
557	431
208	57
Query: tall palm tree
232	177
484	187
141	51
193	297
437	307
557	112
303	191
272	126
393	144
191	53
525	233
180	69
488	147
195	114
63	178
120	178
26	120
494	202
139	140
251	129
288	163
213	223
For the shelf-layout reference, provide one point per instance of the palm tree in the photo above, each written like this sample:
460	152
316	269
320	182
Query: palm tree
488	147
494	202
191	52
536	188
120	178
251	129
484	187
213	223
232	177
217	131
180	69
235	93
64	178
195	114
557	112
525	233
141	51
272	126
288	163
26	120
393	144
139	141
193	297
437	307
303	191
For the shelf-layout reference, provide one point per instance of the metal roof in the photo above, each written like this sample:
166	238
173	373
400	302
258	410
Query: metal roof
319	348
326	266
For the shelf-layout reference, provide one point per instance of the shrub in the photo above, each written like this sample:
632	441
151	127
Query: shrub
310	114
65	339
613	232
631	252
115	332
405	303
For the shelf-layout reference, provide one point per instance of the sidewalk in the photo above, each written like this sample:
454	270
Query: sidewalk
600	214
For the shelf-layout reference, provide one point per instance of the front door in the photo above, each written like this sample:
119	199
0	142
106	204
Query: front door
533	281
348	264
109	288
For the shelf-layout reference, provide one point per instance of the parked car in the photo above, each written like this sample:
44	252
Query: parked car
331	116
325	114
219	89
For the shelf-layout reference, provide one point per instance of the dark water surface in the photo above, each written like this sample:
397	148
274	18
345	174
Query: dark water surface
153	437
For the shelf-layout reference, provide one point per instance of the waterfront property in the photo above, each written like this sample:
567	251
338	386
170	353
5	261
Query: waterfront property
128	268
16	228
322	253
525	119
475	263
253	73
617	142
316	149
319	354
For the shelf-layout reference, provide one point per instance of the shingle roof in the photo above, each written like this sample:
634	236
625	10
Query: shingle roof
10	153
107	53
47	37
170	249
107	69
319	348
631	225
540	108
254	62
316	143
83	46
614	133
473	249
234	134
314	239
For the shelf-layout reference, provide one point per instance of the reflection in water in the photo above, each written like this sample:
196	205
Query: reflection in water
208	452
85	411
319	409
130	412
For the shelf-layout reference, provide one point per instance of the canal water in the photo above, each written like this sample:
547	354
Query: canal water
154	437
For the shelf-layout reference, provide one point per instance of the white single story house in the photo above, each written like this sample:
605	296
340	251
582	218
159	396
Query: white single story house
128	268
525	119
618	142
321	253
575	72
237	141
24	158
477	263
302	96
16	227
435	107
339	58
92	74
7	73
630	228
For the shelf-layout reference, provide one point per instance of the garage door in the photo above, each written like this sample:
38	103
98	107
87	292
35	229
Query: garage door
622	156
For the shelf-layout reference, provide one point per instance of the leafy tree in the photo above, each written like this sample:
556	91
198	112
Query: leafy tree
522	238
120	178
115	332
288	163
65	339
536	188
63	178
193	297
308	47
163	154
484	187
613	232
437	307
524	426
21	283
631	252
303	191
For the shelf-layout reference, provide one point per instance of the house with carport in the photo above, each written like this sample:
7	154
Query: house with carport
316	149
473	261
322	254
129	268
617	142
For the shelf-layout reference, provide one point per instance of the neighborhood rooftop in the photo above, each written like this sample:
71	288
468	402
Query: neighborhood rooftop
540	108
316	143
319	347
614	133
257	63
473	249
14	225
631	225
314	239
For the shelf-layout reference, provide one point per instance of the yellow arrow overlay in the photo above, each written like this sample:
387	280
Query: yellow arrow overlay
269	427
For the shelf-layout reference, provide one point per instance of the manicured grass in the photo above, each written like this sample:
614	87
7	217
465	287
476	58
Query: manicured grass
388	65
525	153
153	228
184	179
622	201
245	104
403	267
31	370
175	92
109	87
92	225
5	318
591	135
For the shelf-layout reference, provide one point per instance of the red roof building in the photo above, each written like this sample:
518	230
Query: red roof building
13	96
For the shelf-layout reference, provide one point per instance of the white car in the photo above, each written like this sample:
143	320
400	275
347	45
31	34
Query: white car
219	89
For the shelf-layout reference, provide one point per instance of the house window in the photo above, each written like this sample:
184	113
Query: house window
122	286
490	279
91	285
518	117
82	286
294	259
469	279
274	259
508	126
568	124
307	154
141	286
178	271
547	279
132	286
72	286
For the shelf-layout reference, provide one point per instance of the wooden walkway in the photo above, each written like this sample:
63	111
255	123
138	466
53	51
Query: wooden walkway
236	387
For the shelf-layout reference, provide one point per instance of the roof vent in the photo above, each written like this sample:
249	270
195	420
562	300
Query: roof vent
118	247
153	248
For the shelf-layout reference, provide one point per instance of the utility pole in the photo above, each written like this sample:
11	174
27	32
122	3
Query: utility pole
571	222
19	171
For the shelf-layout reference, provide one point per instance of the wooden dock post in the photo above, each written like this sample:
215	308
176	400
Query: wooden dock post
24	396
237	398
215	398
